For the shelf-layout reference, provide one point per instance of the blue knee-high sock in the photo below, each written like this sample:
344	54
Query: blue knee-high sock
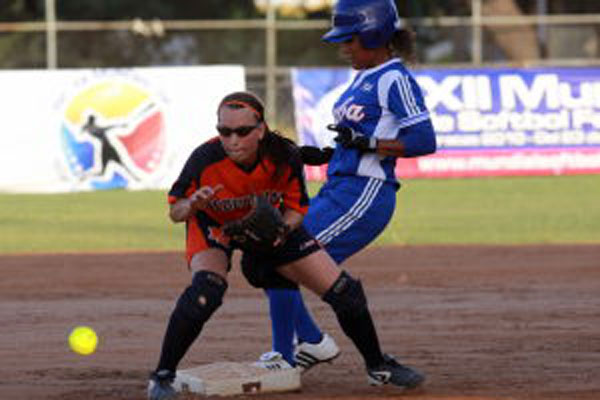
306	328
282	307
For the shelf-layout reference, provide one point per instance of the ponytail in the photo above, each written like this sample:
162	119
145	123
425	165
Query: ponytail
403	45
279	149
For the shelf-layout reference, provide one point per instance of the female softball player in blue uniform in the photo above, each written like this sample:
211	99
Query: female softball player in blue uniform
381	116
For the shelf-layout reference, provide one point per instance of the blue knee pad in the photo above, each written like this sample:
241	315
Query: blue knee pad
203	297
346	296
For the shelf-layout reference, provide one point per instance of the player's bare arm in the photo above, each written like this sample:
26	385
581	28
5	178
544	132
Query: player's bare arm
292	218
182	209
390	147
417	141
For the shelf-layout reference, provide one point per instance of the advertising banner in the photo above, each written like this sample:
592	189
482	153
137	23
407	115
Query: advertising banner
489	122
73	130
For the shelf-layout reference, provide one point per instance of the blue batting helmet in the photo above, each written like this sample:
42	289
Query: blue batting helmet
374	21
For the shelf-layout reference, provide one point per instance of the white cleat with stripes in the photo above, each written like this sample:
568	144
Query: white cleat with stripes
308	355
273	361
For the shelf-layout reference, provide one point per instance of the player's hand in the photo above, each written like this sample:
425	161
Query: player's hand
201	198
350	138
283	233
312	155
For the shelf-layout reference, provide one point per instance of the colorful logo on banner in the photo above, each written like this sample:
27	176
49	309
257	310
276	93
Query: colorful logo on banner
113	134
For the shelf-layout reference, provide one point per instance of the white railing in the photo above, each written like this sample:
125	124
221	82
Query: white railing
271	25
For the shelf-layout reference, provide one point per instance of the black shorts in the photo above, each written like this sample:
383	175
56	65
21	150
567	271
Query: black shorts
260	269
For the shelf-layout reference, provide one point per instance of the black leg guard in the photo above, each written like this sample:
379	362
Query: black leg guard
347	298
194	307
202	298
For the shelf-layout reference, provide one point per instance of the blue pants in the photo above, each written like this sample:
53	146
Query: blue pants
350	212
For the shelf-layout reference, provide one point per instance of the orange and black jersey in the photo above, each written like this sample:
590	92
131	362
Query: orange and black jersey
209	165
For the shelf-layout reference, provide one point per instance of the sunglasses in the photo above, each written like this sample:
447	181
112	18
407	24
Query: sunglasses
240	131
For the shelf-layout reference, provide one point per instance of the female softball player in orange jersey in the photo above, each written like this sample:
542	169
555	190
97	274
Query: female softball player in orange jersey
214	187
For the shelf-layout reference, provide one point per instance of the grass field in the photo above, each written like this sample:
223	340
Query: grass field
455	211
498	211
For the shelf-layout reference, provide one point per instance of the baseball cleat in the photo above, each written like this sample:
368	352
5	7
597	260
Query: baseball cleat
390	371
308	354
159	386
273	361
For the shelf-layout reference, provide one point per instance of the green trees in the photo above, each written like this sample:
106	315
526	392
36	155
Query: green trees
120	48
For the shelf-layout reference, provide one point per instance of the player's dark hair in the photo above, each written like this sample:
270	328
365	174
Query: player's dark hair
273	145
237	100
403	45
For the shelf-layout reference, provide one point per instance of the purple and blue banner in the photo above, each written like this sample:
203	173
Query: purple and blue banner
489	122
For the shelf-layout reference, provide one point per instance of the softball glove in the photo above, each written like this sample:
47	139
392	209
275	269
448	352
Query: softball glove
261	229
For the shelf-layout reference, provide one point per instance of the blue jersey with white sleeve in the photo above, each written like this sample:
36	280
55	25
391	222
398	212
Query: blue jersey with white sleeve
385	102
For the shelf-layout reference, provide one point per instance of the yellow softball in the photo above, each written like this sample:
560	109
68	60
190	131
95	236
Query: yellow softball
83	340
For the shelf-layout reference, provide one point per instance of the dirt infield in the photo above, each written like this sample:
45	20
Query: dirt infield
482	322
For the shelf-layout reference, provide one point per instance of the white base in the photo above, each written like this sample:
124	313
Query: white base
230	378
